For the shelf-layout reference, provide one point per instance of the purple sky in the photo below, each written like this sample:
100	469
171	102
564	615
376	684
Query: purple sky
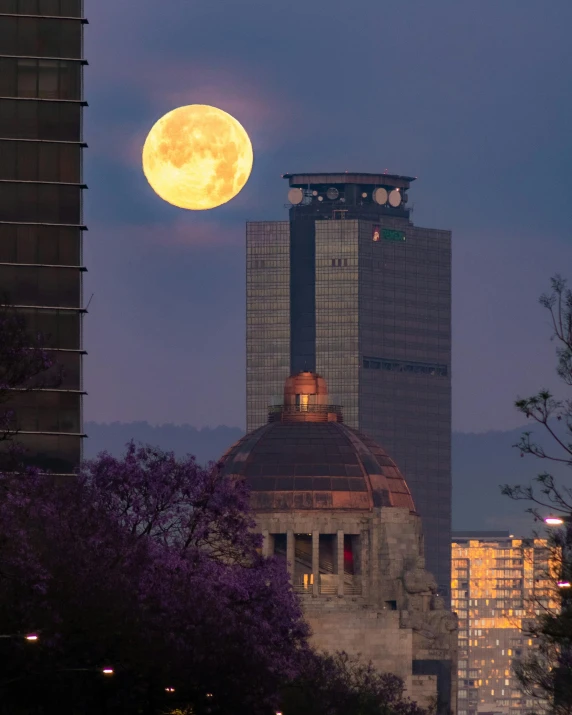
472	97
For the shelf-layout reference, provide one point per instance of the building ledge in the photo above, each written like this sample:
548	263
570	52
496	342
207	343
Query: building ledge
83	20
49	99
82	269
43	141
49	183
81	226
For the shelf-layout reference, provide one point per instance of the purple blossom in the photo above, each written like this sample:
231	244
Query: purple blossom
25	364
151	563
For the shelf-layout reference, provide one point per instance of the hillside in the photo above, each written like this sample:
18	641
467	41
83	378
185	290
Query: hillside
481	462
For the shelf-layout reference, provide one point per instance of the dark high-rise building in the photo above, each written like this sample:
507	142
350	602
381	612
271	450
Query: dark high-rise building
41	185
351	289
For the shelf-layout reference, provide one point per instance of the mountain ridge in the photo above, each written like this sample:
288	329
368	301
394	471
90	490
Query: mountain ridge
481	462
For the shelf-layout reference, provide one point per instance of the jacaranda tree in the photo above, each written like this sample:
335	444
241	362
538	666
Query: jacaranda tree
148	564
25	363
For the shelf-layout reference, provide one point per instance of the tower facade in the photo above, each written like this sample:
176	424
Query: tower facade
350	288
41	185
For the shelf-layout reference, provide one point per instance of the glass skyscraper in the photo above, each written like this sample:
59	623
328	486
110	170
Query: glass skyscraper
351	289
41	186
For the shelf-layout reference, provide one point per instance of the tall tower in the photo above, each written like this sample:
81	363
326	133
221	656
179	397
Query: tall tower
41	185
351	289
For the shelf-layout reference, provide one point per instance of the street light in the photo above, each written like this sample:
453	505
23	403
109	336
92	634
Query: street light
30	637
553	520
107	671
169	690
564	584
104	671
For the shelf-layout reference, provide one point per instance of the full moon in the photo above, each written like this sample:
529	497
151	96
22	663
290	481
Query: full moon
197	157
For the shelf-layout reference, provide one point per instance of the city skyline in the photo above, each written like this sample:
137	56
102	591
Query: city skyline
491	164
365	350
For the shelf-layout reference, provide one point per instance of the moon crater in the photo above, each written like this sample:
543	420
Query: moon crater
197	157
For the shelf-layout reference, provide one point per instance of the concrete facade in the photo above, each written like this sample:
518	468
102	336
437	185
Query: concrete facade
389	611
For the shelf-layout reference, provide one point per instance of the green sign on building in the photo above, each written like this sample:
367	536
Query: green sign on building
389	234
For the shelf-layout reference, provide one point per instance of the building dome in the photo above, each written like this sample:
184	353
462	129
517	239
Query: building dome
306	458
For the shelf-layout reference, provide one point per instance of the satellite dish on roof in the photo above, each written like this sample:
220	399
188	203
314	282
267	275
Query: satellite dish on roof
380	196
395	198
332	193
295	196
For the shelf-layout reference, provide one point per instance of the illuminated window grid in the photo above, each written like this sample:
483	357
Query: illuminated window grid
495	585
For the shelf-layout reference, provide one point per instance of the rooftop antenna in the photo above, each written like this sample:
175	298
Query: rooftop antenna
89	301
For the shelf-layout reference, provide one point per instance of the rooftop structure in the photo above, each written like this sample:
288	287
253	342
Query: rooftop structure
350	195
307	458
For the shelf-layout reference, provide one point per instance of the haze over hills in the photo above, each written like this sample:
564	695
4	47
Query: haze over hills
481	462
205	444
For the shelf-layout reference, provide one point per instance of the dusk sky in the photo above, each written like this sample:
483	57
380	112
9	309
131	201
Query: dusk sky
471	97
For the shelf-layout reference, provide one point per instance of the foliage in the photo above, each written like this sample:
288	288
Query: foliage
337	684
25	363
546	673
148	564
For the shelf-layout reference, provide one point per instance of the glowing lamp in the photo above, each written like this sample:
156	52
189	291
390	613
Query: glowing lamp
553	520
107	671
169	690
32	637
564	584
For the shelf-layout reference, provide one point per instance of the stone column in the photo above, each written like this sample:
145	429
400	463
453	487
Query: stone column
290	553
316	561
340	563
266	544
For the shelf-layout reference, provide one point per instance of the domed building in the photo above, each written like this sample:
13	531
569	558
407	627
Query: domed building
334	505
